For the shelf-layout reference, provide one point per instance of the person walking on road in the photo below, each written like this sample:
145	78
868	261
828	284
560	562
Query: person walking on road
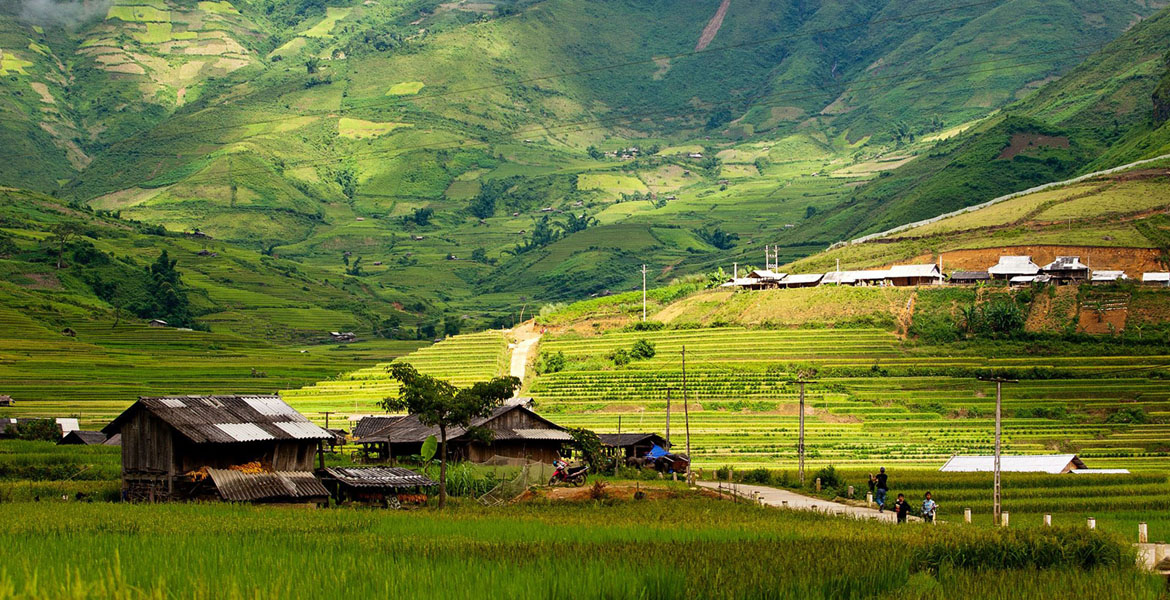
881	486
929	506
902	508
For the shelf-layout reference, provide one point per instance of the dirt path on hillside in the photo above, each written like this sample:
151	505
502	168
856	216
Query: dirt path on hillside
526	337
712	27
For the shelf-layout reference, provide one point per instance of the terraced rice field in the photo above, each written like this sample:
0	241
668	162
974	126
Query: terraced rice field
462	360
875	400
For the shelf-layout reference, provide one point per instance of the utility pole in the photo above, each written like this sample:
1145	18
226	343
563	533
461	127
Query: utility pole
996	494
800	441
643	293
327	413
686	414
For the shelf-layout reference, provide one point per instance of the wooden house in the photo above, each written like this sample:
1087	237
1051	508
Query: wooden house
970	277
913	275
237	448
515	432
802	281
1014	266
1153	278
7	401
631	445
1067	269
1100	277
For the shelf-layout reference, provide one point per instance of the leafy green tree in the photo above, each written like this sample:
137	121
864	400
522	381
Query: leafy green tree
63	233
595	153
451	325
575	223
312	65
718	238
36	430
552	362
438	403
588	444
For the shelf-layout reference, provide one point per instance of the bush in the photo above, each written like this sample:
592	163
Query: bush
830	478
1135	415
36	429
551	363
759	475
620	357
642	349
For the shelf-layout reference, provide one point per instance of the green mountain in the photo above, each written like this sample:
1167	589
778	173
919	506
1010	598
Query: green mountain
467	158
1110	110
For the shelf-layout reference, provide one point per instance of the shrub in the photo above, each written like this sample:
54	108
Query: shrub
759	475
36	429
551	363
1135	415
620	357
830	478
642	349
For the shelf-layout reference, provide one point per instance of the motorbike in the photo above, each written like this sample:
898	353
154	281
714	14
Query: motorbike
574	476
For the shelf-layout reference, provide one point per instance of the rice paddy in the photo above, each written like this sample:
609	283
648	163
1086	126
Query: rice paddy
687	547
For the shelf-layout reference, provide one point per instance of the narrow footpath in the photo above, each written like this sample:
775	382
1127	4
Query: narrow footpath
771	496
526	337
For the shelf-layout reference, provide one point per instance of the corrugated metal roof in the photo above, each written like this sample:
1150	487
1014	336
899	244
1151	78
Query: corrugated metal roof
802	279
225	419
1108	276
766	275
971	275
927	270
371	425
379	477
300	430
235	486
1015	265
244	432
1066	263
410	430
1100	471
88	438
1158	277
536	434
1039	463
617	440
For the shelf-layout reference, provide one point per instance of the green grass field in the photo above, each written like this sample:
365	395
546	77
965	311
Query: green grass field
539	551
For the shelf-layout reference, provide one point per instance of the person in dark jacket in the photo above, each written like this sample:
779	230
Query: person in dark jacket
902	508
881	486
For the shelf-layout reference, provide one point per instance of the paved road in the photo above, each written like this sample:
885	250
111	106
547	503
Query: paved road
776	497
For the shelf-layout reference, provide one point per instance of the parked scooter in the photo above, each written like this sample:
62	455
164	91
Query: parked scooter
574	476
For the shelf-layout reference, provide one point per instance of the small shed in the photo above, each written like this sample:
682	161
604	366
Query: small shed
1032	463
157	323
1107	276
970	277
83	438
383	485
285	487
343	336
7	401
1013	266
912	275
171	445
516	432
802	281
631	444
1156	278
1067	269
766	278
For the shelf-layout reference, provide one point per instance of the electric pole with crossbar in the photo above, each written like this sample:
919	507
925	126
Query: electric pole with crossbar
996	493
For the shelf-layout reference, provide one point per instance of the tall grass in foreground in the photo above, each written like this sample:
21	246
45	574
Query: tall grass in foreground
679	549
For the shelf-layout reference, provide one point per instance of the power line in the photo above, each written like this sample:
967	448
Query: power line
382	103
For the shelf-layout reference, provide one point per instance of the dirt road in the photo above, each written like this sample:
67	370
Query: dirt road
712	27
785	499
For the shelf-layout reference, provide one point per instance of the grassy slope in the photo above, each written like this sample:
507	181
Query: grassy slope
1119	211
1104	107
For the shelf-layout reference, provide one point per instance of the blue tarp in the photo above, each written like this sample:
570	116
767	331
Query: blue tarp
656	452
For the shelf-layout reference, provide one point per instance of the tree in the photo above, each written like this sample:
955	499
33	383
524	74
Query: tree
718	238
588	444
438	403
62	234
575	223
312	65
594	153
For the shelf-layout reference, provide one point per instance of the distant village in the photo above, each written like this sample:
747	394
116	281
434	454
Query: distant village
1010	270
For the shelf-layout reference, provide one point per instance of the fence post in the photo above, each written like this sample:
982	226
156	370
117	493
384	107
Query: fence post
783	504
1005	519
1048	520
850	491
966	515
1092	523
818	484
1143	534
869	498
